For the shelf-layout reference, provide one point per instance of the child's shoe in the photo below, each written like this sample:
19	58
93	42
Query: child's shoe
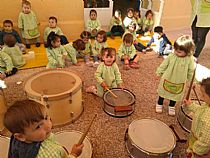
38	44
95	64
126	67
134	65
28	46
159	108
91	89
171	111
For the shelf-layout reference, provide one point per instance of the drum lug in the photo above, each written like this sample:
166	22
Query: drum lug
72	116
70	100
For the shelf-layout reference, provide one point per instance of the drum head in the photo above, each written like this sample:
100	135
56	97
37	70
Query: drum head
124	97
152	136
68	139
4	146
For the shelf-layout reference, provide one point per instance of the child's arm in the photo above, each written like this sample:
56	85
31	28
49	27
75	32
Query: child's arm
1	39
191	69
98	77
191	106
8	61
121	51
17	36
150	42
118	79
76	150
98	27
163	66
50	57
94	48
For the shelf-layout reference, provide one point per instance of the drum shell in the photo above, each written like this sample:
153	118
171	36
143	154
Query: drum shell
136	152
69	138
4	146
63	107
3	109
110	109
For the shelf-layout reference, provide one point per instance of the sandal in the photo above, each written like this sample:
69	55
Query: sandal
134	65
91	89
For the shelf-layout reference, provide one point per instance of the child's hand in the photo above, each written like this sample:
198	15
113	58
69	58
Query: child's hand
125	57
105	87
135	42
58	65
8	72
77	150
157	77
187	102
121	85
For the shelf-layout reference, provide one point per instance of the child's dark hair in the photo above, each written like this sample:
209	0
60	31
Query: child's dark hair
102	33
137	11
79	44
22	114
130	9
206	85
149	12
52	37
53	18
158	29
128	38
110	52
26	3
9	40
85	34
93	11
8	22
185	43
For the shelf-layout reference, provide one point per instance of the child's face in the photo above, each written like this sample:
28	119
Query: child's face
149	16
130	14
93	16
180	53
85	40
7	27
26	9
108	60
38	131
100	38
56	43
127	44
205	96
52	23
136	14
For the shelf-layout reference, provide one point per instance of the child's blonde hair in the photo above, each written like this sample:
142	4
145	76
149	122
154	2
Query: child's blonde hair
128	38
185	43
110	52
26	3
22	114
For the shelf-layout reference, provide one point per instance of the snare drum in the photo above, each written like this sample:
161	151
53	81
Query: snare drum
121	106
59	91
185	117
149	138
68	139
4	146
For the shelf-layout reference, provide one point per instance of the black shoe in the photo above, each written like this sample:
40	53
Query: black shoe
45	45
37	44
28	46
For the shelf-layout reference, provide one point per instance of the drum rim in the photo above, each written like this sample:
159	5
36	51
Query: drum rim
69	92
123	89
148	152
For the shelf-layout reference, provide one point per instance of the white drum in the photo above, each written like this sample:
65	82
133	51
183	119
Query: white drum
149	138
4	146
60	91
68	139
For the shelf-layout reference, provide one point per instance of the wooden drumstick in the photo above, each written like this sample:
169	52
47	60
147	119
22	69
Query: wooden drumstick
86	131
114	95
191	84
196	96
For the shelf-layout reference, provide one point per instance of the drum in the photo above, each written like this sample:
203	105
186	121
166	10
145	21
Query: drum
68	139
149	138
120	106
59	91
3	108
185	117
4	146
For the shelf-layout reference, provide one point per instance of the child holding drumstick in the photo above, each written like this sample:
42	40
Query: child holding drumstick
199	139
107	74
31	137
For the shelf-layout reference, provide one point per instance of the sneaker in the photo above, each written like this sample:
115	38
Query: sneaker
89	63
28	46
171	111
134	65
126	67
91	89
159	108
95	64
37	44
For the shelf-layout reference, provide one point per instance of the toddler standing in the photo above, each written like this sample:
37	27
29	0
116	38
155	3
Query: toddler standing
175	71
28	24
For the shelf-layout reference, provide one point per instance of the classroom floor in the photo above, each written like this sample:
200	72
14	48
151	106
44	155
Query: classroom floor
107	132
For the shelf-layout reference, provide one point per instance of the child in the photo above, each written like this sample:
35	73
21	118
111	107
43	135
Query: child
137	17
99	43
8	29
148	21
129	18
13	51
199	138
56	53
116	25
6	66
93	25
28	24
85	36
107	74
162	44
127	53
75	51
31	127
53	27
175	71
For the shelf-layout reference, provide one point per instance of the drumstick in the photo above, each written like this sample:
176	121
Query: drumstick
191	84
196	96
114	95
86	131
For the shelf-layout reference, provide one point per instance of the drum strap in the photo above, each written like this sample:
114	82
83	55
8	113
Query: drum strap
23	150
